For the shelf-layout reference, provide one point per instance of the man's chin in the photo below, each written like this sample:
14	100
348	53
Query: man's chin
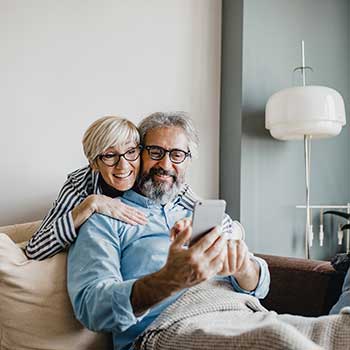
159	190
164	186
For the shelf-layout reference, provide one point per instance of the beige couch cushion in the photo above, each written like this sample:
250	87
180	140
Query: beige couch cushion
35	311
21	232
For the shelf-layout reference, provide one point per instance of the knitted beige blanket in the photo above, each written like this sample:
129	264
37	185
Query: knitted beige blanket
212	316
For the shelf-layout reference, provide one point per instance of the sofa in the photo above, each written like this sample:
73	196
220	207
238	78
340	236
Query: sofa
35	311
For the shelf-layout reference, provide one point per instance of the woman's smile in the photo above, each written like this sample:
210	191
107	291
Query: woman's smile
123	175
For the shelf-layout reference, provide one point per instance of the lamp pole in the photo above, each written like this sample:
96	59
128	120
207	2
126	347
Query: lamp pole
307	153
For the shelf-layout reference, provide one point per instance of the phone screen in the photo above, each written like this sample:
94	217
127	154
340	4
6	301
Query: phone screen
206	215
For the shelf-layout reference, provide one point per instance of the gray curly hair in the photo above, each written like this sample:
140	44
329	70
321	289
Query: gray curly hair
168	119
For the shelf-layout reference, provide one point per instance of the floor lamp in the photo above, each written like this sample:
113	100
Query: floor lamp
305	113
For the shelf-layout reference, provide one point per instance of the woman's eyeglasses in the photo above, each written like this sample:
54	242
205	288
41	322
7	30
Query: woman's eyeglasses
112	159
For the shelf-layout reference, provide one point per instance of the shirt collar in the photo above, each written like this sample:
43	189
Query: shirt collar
139	199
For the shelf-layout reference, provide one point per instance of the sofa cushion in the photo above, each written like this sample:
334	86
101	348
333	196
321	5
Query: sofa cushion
21	232
35	310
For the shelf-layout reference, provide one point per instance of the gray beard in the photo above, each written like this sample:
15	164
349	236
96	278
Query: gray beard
159	192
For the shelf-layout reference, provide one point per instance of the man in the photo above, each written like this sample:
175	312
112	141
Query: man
121	277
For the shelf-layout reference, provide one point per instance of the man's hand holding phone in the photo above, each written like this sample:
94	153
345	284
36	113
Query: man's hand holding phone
235	251
234	254
188	266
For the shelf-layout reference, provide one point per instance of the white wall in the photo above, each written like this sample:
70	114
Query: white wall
65	63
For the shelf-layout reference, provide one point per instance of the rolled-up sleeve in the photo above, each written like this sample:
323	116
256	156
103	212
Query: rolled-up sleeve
263	286
99	295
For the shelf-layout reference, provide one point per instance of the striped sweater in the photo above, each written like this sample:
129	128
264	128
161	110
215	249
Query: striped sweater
57	231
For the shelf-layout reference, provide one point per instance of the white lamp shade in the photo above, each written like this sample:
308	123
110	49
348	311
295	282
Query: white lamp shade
305	110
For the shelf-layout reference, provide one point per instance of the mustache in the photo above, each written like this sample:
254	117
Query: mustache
161	171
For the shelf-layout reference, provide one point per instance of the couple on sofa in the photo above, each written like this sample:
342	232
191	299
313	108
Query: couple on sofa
123	273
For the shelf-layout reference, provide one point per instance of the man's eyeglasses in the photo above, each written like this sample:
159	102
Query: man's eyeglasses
112	159
176	156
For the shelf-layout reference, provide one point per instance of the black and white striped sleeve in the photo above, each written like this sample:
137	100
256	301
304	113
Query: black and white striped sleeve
57	229
188	198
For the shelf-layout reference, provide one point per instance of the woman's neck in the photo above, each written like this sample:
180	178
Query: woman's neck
108	190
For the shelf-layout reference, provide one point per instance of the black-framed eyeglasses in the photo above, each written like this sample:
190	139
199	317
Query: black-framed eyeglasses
176	155
112	159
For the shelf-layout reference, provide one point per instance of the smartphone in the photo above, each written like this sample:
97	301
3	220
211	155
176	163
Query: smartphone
206	215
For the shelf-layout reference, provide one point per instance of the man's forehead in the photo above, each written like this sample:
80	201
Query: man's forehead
167	137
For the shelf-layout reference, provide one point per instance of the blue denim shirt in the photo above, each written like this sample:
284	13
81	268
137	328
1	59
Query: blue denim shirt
109	256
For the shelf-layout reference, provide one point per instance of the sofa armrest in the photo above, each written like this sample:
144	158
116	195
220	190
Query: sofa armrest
301	286
20	232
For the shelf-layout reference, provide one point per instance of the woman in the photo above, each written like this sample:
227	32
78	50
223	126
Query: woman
111	145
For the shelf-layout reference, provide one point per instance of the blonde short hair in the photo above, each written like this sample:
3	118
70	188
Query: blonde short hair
109	131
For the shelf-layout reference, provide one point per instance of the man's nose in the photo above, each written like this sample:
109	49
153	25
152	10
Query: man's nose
165	162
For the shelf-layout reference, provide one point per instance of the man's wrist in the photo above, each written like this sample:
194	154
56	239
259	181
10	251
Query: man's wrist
169	284
248	279
151	290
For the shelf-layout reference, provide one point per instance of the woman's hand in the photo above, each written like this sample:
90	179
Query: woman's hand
105	205
115	208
